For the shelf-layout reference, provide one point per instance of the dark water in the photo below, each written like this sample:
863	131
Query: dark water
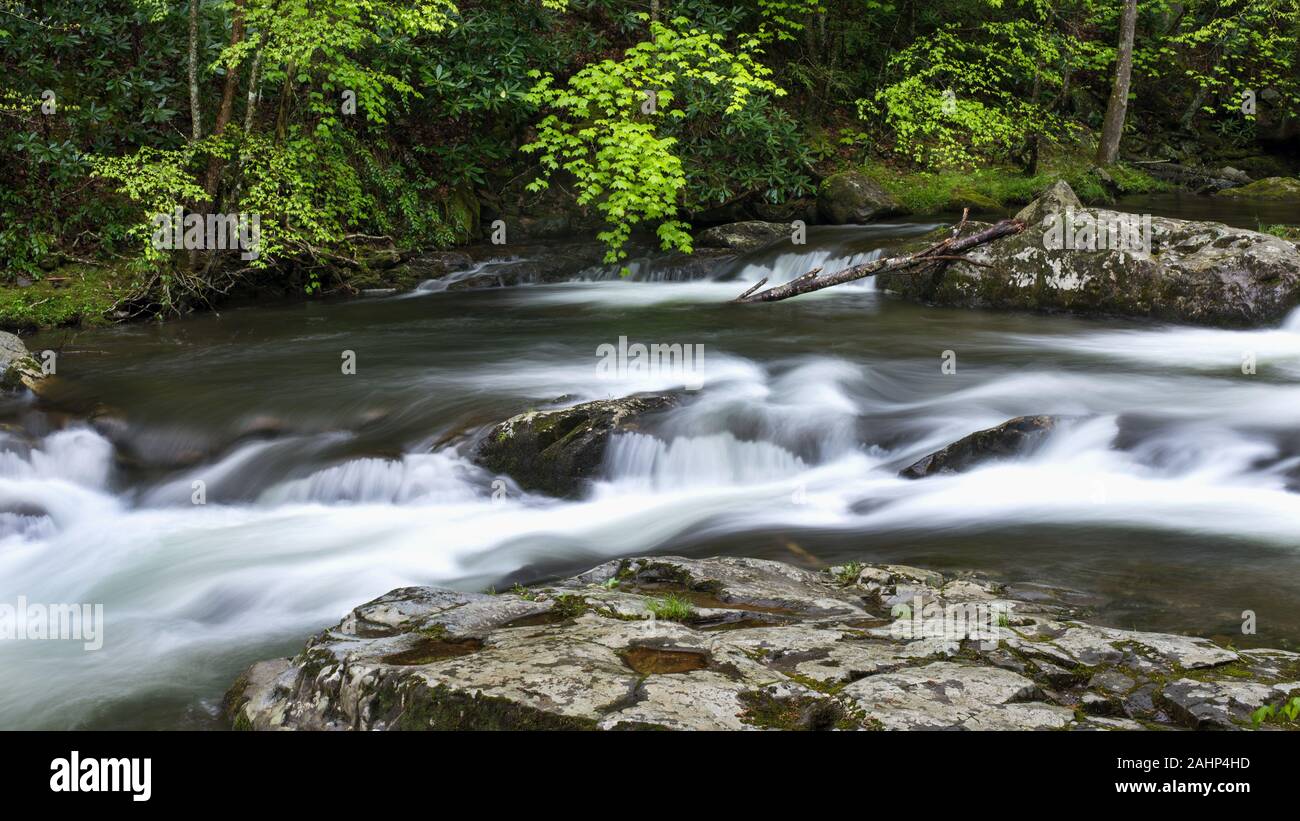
1169	500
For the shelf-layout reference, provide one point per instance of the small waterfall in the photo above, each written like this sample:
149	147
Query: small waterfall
789	265
54	484
80	456
415	478
697	461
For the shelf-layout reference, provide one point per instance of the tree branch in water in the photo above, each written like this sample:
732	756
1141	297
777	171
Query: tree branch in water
940	253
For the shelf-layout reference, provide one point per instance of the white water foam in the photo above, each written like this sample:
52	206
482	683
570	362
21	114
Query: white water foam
192	593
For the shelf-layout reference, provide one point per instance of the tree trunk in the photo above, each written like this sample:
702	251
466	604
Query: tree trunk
227	99
196	115
1113	126
251	111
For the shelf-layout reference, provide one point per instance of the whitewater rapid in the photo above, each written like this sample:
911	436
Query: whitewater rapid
1164	433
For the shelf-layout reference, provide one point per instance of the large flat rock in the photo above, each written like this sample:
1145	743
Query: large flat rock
737	644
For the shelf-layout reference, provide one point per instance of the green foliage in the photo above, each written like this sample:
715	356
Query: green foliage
158	180
1287	711
447	93
966	94
783	19
1225	48
605	126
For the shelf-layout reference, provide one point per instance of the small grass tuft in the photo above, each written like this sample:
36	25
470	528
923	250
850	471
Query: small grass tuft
671	608
848	573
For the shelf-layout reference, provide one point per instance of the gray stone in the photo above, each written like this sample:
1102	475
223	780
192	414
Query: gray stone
1220	705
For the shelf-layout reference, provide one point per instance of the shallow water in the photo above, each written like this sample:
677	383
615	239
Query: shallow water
1169	498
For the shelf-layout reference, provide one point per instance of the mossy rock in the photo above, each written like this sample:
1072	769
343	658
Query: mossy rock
965	197
558	451
17	367
853	197
1272	188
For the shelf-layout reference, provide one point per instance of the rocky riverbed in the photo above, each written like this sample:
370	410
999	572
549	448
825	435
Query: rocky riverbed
741	644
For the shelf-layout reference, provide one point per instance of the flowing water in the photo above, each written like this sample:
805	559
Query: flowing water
1170	499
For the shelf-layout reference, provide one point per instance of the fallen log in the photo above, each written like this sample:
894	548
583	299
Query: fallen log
941	253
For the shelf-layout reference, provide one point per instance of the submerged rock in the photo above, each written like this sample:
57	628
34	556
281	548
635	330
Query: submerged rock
736	643
1198	272
557	451
742	235
852	197
1011	438
18	369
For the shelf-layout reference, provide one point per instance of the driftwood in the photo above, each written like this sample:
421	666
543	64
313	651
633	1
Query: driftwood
940	253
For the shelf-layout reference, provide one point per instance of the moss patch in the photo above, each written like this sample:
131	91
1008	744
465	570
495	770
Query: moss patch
441	708
992	189
69	296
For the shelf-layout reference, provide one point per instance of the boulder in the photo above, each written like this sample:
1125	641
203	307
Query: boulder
1059	196
18	369
1272	188
750	644
853	197
742	236
558	451
1203	273
1013	437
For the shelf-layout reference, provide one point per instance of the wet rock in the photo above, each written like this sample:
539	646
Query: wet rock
1197	272
1013	437
852	197
742	235
558	451
811	651
1270	188
18	369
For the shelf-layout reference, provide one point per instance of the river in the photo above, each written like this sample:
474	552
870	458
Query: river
1168	499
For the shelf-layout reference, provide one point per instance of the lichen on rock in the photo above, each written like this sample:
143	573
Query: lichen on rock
768	646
